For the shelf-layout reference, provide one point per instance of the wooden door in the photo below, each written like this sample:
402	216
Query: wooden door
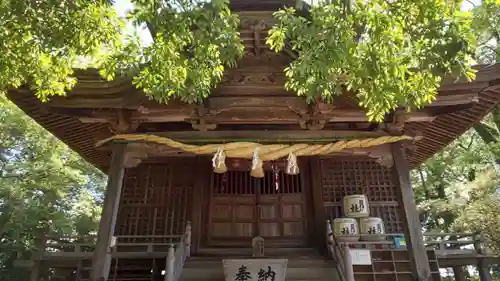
242	207
282	215
232	209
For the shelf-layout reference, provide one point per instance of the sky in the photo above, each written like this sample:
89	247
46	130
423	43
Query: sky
122	7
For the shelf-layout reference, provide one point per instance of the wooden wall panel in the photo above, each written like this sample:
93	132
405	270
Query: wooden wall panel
341	176
156	199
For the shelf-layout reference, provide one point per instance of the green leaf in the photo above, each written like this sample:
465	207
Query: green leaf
373	48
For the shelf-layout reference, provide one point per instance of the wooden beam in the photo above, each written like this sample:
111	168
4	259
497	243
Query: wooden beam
101	260
122	100
413	232
287	109
449	100
245	115
136	99
295	135
485	73
223	103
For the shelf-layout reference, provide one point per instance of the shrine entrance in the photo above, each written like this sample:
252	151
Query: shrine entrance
242	207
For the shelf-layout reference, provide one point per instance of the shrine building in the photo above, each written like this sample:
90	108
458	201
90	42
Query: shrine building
255	183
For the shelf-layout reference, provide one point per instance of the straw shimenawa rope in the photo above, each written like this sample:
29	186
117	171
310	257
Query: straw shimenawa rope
267	152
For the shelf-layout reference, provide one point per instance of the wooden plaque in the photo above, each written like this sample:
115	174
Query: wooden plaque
255	269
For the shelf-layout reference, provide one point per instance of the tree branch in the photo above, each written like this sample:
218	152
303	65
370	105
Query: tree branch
472	3
151	29
424	183
485	132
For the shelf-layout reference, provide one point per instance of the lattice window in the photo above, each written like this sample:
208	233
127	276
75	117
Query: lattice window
392	217
343	176
156	199
240	182
287	184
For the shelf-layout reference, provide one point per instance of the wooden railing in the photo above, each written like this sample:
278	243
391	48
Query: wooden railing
445	245
457	243
121	244
177	255
442	243
175	248
337	253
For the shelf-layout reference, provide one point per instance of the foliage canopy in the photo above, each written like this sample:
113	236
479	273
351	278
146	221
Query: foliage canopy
44	188
390	53
193	43
41	40
486	26
457	189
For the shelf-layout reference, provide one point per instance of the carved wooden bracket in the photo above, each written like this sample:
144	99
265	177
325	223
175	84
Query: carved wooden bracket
382	155
119	121
201	119
312	124
256	26
253	24
133	158
312	120
203	125
385	161
122	122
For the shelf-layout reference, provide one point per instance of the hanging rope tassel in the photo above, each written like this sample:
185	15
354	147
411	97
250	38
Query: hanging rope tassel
257	171
219	161
292	167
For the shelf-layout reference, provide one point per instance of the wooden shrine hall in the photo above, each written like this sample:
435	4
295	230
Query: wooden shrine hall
168	216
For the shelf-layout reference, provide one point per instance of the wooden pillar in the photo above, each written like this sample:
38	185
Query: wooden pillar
458	272
349	270
413	231
35	271
188	240
482	267
170	264
199	210
484	271
37	256
318	207
101	261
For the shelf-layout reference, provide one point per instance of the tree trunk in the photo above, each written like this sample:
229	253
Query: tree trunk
489	134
